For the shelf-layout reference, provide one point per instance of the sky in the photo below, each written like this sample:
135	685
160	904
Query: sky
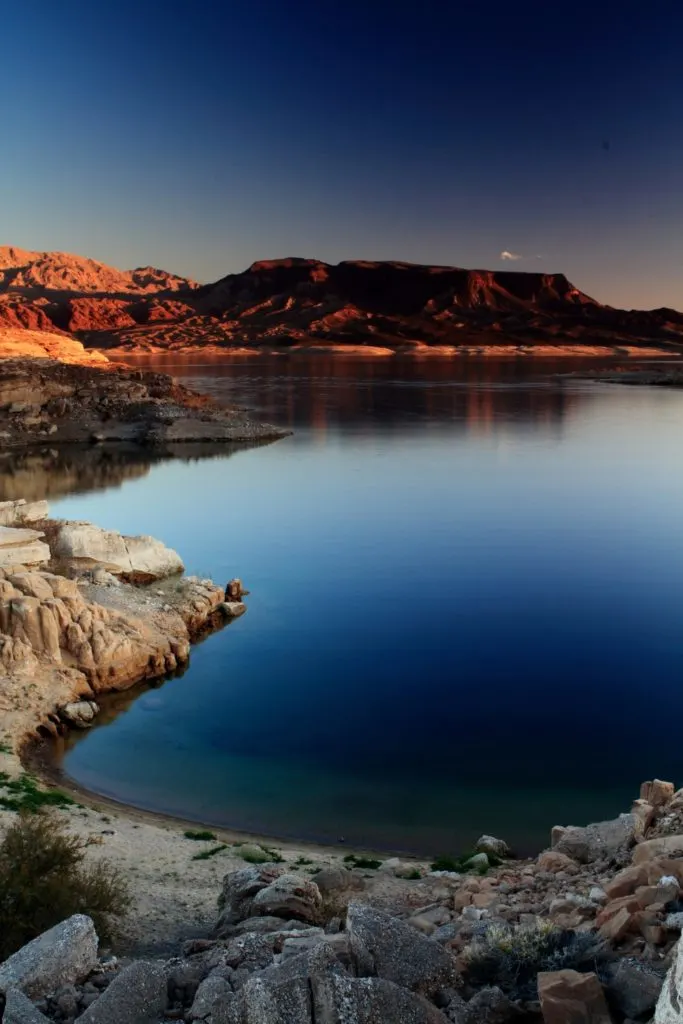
200	137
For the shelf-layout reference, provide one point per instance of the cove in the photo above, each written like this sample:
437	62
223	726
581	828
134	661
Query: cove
465	614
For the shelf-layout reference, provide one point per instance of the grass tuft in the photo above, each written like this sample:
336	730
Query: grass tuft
368	863
206	854
23	794
199	836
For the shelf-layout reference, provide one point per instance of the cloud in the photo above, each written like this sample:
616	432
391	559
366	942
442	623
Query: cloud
505	255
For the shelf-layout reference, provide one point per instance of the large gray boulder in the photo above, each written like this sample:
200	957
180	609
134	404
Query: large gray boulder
392	949
603	840
89	547
214	998
633	987
289	896
20	1010
340	999
237	895
63	955
264	1001
670	1004
138	994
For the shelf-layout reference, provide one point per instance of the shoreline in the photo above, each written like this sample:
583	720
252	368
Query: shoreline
39	757
411	350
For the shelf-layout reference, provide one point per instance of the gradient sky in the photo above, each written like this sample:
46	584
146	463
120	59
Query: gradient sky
202	136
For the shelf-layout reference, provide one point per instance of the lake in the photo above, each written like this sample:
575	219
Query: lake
466	607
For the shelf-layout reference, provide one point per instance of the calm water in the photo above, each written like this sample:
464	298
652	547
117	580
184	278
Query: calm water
466	608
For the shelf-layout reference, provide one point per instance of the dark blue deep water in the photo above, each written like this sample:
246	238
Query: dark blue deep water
466	608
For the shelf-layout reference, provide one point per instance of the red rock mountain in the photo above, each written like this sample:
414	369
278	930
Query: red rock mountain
292	302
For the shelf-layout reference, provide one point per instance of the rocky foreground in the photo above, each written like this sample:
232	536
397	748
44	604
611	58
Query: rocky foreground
585	934
49	402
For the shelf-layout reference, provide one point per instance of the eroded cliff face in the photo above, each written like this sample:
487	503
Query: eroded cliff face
302	302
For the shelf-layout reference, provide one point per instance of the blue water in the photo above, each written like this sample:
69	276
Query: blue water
466	608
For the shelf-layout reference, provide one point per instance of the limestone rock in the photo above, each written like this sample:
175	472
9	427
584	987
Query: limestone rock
603	840
571	998
92	547
492	847
664	846
553	861
22	513
670	1004
138	993
22	547
60	956
263	1001
390	948
80	713
657	793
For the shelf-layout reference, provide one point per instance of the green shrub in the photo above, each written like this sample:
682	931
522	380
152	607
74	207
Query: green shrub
461	864
199	836
511	957
205	854
43	880
301	862
369	863
23	794
413	875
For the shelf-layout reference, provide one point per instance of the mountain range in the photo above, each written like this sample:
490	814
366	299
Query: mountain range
304	302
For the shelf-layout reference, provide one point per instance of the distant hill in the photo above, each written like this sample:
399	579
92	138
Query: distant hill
299	302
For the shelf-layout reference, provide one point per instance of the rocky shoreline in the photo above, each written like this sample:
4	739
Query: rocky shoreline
46	402
584	933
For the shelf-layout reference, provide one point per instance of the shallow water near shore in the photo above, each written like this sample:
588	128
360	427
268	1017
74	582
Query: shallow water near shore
465	615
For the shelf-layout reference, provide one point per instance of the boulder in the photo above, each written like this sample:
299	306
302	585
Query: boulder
65	954
492	846
568	997
289	896
22	547
20	1010
400	868
670	1003
553	861
22	512
664	846
237	895
265	1001
80	713
489	1004
480	862
602	840
633	988
390	948
138	993
89	547
213	996
331	880
339	999
657	793
645	813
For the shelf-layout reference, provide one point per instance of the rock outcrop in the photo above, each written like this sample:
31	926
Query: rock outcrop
86	546
46	401
66	638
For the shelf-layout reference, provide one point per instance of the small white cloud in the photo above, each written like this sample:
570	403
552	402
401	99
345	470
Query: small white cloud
505	255
539	256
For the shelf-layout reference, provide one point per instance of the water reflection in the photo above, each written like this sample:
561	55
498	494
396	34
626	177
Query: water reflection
79	469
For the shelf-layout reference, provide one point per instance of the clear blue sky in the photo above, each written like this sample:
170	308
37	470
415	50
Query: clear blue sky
202	136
